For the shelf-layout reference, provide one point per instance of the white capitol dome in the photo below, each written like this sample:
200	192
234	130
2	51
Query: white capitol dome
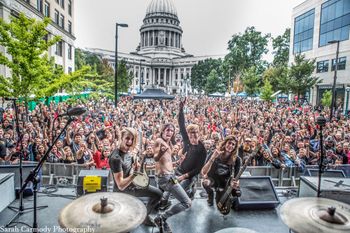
161	6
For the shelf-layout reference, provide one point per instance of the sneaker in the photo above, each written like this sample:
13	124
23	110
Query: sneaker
164	204
149	222
161	223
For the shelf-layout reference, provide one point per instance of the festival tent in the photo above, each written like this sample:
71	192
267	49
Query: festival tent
216	94
242	94
154	93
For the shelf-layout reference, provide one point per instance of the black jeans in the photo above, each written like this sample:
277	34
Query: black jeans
152	192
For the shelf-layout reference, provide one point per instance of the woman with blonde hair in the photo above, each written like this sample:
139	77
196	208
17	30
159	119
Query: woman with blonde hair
219	167
123	167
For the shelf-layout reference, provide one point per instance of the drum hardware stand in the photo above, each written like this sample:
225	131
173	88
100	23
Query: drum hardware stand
320	121
20	210
32	177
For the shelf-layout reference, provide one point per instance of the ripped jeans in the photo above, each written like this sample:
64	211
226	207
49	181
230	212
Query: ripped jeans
170	184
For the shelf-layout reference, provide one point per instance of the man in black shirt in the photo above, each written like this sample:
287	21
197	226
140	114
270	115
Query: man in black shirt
123	166
195	155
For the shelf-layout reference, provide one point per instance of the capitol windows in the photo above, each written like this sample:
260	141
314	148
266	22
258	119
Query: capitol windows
156	37
172	39
167	38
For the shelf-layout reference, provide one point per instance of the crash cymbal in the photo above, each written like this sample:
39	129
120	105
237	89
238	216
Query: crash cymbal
316	215
236	230
103	213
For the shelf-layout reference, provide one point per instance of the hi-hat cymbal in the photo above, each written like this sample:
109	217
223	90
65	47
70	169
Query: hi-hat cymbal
316	215
103	213
236	230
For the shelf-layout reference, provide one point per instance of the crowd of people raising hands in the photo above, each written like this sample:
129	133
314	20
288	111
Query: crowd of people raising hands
287	132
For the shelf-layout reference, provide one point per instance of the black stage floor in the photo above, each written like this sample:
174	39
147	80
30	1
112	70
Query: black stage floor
199	219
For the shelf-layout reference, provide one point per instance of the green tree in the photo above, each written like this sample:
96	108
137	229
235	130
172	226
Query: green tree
33	72
124	78
280	46
327	99
251	81
201	71
214	83
278	78
266	91
246	50
300	75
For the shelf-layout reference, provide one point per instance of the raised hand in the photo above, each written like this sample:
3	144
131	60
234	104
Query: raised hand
182	102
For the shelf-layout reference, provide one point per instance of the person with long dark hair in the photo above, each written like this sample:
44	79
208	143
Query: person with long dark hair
166	176
219	167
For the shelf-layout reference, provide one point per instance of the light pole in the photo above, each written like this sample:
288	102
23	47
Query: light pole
347	100
116	62
140	76
334	79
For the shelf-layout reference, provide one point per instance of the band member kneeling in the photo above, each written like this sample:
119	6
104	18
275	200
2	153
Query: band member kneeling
219	168
166	177
123	166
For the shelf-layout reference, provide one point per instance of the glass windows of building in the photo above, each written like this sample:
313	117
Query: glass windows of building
70	27
70	7
70	52
57	17
341	63
62	3
322	66
335	21
61	21
39	5
59	48
47	9
303	32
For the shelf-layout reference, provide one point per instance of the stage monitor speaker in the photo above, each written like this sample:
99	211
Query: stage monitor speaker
335	188
326	173
26	169
90	181
7	190
258	192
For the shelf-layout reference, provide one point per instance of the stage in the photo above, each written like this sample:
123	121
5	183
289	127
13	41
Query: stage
199	219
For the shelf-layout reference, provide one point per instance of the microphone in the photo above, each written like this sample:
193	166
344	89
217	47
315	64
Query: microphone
77	111
10	98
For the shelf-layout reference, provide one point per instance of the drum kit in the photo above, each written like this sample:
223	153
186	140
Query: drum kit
96	213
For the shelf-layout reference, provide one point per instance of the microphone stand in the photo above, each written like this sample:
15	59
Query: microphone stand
32	177
321	121
20	210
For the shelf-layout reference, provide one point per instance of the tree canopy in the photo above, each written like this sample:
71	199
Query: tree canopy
33	72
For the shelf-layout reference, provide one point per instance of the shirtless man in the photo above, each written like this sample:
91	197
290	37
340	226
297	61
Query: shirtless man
166	178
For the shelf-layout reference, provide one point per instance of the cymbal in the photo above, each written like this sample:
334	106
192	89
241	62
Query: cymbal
103	213
236	230
311	215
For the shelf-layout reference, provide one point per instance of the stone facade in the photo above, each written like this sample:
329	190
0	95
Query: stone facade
62	16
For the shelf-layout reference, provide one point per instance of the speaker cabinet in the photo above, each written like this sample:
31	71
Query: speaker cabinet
258	192
26	169
331	187
326	173
90	181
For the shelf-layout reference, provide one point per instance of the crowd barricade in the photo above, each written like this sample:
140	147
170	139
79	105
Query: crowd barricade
54	173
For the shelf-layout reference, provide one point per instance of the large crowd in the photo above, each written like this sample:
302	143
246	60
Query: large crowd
285	133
